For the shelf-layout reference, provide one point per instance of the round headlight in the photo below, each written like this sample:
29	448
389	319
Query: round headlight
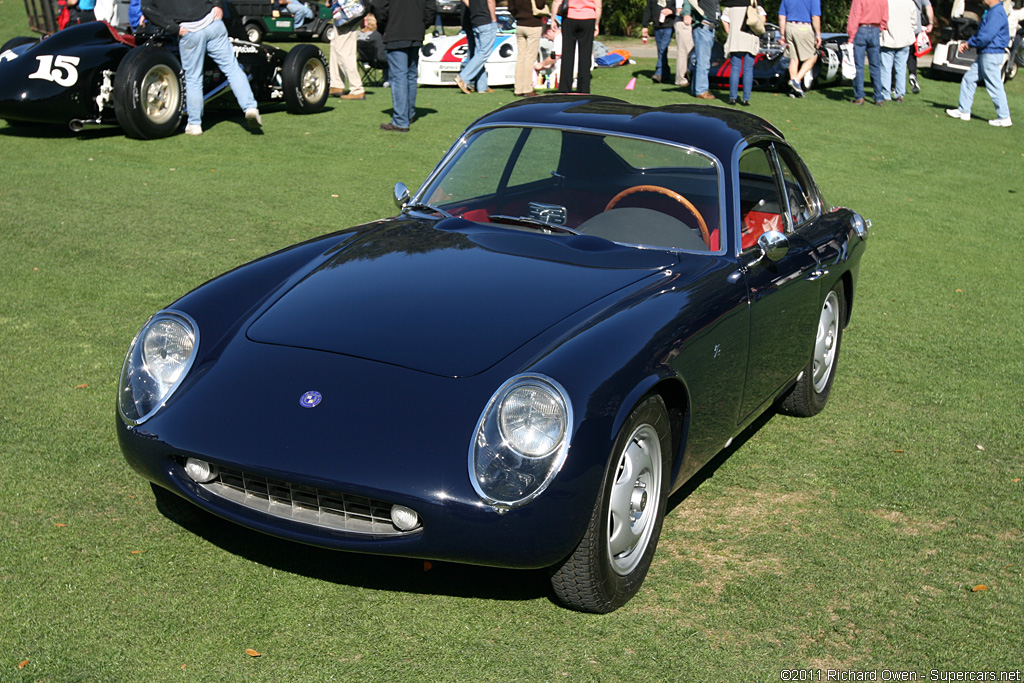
166	348
428	49
157	362
521	441
531	419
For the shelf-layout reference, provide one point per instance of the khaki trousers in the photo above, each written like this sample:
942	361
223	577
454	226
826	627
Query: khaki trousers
344	66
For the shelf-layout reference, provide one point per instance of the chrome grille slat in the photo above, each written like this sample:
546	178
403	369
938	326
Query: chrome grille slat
306	504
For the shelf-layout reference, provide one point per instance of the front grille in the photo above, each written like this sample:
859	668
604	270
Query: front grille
306	504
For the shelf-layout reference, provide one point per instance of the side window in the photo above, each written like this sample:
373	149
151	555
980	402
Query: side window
538	158
802	203
761	207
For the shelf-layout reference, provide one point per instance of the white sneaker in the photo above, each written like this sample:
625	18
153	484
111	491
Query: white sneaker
957	114
252	119
1001	123
193	129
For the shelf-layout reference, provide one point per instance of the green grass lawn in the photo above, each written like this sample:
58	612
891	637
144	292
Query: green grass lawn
850	541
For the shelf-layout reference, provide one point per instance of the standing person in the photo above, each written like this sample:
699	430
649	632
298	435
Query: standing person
529	26
199	25
990	41
924	12
684	41
707	12
480	20
800	26
403	24
344	63
864	26
741	46
662	14
896	40
579	28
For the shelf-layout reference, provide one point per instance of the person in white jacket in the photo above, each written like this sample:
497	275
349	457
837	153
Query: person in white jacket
896	40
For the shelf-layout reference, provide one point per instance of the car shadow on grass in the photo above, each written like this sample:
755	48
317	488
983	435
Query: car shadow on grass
709	468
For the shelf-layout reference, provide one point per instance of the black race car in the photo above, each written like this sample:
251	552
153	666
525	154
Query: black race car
771	65
94	75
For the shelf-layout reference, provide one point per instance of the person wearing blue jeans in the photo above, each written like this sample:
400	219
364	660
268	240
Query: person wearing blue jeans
479	19
991	41
402	24
403	70
299	11
200	29
705	15
662	14
894	57
867	20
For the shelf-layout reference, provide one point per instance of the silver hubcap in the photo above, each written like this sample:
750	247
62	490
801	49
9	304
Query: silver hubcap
160	94
825	342
314	80
633	507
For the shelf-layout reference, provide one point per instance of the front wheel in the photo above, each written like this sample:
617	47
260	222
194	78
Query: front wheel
610	563
149	95
304	79
811	391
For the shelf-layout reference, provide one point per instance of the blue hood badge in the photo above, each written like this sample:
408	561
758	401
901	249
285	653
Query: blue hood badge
310	399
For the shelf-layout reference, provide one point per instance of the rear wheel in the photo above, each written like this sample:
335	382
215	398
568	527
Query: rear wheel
254	32
304	78
329	33
610	563
149	99
810	393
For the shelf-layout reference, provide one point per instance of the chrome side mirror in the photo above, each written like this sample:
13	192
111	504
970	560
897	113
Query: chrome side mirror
773	245
401	195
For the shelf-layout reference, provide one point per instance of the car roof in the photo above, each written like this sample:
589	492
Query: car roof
714	129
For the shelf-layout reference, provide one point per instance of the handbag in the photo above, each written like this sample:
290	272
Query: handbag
347	11
754	21
563	10
541	11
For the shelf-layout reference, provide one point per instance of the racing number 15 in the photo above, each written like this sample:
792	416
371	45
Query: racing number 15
57	68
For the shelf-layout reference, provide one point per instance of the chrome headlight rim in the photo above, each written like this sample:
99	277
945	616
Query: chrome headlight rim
552	460
133	362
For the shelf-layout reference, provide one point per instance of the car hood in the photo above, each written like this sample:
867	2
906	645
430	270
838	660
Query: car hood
451	298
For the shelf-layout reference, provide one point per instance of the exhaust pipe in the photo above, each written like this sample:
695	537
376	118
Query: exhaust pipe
78	125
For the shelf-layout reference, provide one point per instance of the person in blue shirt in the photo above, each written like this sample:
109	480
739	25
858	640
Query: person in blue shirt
800	26
991	41
81	11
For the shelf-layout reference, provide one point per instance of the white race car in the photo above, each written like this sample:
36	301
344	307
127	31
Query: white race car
441	58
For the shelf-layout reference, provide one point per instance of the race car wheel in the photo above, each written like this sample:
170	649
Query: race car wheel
254	32
610	563
810	393
305	80
149	94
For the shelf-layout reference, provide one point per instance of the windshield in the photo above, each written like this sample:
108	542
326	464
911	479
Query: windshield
628	190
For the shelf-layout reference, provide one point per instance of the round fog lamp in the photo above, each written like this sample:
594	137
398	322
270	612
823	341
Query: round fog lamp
200	471
404	518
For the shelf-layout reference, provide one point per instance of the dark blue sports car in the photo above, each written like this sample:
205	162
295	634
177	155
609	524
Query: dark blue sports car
585	301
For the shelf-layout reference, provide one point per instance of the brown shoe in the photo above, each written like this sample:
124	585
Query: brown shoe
462	84
488	90
706	95
392	127
335	92
859	100
350	96
532	94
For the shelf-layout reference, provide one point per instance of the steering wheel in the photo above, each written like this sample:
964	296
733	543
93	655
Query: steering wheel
668	193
